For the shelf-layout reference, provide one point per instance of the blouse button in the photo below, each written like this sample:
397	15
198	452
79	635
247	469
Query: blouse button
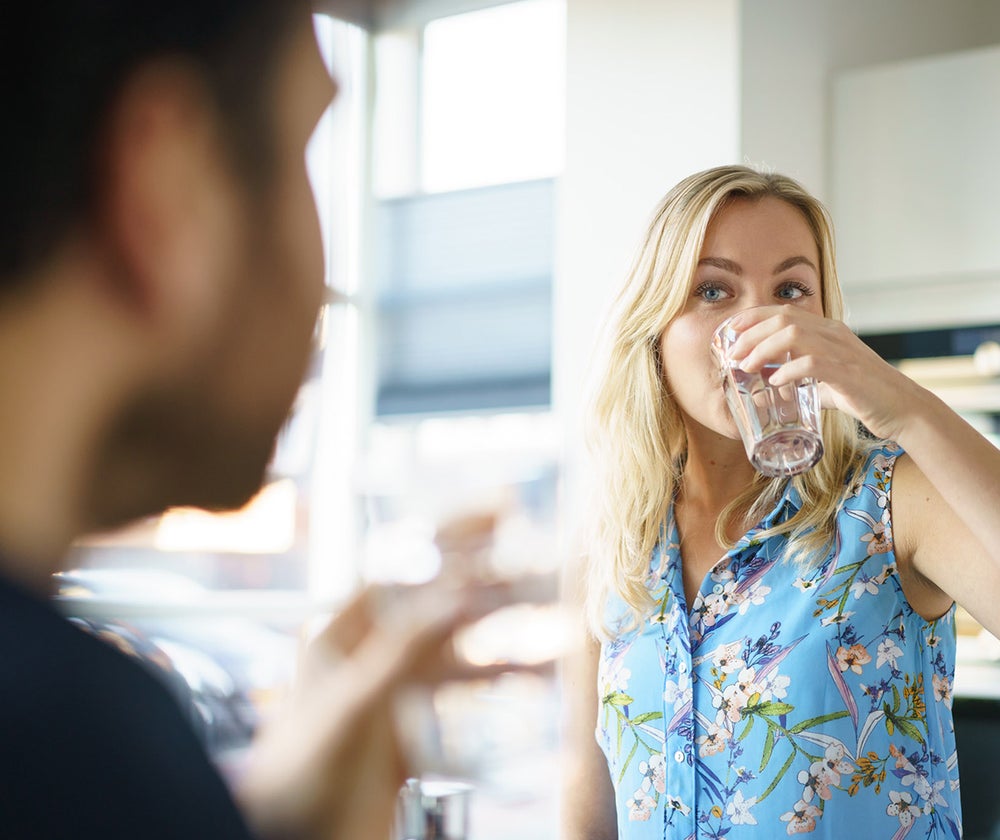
679	756
717	589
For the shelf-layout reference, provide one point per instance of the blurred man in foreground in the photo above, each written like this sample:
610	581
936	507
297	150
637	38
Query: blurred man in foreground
161	276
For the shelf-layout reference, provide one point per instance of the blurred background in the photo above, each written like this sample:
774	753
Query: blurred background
482	180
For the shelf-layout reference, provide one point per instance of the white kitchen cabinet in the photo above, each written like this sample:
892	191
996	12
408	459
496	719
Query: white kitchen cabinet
915	180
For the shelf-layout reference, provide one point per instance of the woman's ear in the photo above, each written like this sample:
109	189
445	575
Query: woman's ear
170	215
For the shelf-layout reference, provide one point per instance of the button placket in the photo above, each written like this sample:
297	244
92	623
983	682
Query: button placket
679	739
679	797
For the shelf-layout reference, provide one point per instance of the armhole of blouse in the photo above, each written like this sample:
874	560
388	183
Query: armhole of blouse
890	473
918	578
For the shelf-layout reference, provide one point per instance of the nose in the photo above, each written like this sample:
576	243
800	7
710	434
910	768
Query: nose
755	296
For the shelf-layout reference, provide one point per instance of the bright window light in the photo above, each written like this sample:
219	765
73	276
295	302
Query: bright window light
493	83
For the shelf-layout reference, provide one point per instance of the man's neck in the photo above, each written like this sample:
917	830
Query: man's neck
61	381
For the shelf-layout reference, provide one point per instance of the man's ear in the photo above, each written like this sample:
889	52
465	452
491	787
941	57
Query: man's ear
170	219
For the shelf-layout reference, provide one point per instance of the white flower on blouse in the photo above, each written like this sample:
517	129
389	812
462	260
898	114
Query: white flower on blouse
836	763
935	797
888	570
640	806
863	584
746	683
776	687
901	805
753	598
888	651
839	618
918	778
738	809
942	689
881	461
727	657
879	540
815	782
723	576
676	804
735	697
802	818
616	677
805	585
678	691
714	741
717	603
654	773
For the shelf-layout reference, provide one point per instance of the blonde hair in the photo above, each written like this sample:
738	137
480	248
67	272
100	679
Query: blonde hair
635	433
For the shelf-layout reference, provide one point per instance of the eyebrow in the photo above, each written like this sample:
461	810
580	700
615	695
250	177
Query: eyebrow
791	262
723	263
735	268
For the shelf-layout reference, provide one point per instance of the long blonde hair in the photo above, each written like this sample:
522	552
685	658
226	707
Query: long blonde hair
635	433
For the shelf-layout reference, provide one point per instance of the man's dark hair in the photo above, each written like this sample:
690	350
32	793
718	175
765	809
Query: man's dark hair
63	64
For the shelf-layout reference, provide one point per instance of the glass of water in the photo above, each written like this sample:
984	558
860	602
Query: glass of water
781	427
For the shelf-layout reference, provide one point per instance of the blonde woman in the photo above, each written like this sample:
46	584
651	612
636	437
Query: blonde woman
768	656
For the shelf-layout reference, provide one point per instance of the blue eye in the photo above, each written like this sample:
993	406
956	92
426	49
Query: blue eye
710	292
794	291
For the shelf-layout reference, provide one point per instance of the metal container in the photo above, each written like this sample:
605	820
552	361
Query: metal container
433	810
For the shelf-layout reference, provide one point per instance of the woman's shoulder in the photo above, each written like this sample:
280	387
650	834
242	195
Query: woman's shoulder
868	487
875	467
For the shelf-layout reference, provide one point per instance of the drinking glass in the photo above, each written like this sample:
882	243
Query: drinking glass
781	426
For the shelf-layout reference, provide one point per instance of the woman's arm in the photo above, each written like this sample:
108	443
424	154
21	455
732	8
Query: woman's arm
946	512
946	489
588	798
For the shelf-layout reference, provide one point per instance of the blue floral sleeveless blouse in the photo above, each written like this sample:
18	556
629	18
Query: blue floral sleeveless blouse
787	700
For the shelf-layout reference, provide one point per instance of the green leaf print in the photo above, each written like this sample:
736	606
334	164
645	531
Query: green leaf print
775	730
665	605
628	760
817	721
894	722
909	730
616	701
773	708
768	748
781	773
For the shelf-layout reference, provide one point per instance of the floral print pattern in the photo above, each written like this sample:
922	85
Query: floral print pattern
786	700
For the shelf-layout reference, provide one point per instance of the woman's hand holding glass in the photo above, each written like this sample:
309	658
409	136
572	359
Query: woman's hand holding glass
853	378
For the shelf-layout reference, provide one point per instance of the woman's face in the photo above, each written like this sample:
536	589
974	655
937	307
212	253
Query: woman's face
757	252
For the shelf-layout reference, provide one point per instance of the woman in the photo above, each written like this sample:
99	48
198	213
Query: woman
802	682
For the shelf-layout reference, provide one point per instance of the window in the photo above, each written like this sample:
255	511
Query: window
492	89
464	285
464	231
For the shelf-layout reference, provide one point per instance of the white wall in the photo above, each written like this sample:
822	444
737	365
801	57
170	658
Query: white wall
792	50
652	96
796	58
913	188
